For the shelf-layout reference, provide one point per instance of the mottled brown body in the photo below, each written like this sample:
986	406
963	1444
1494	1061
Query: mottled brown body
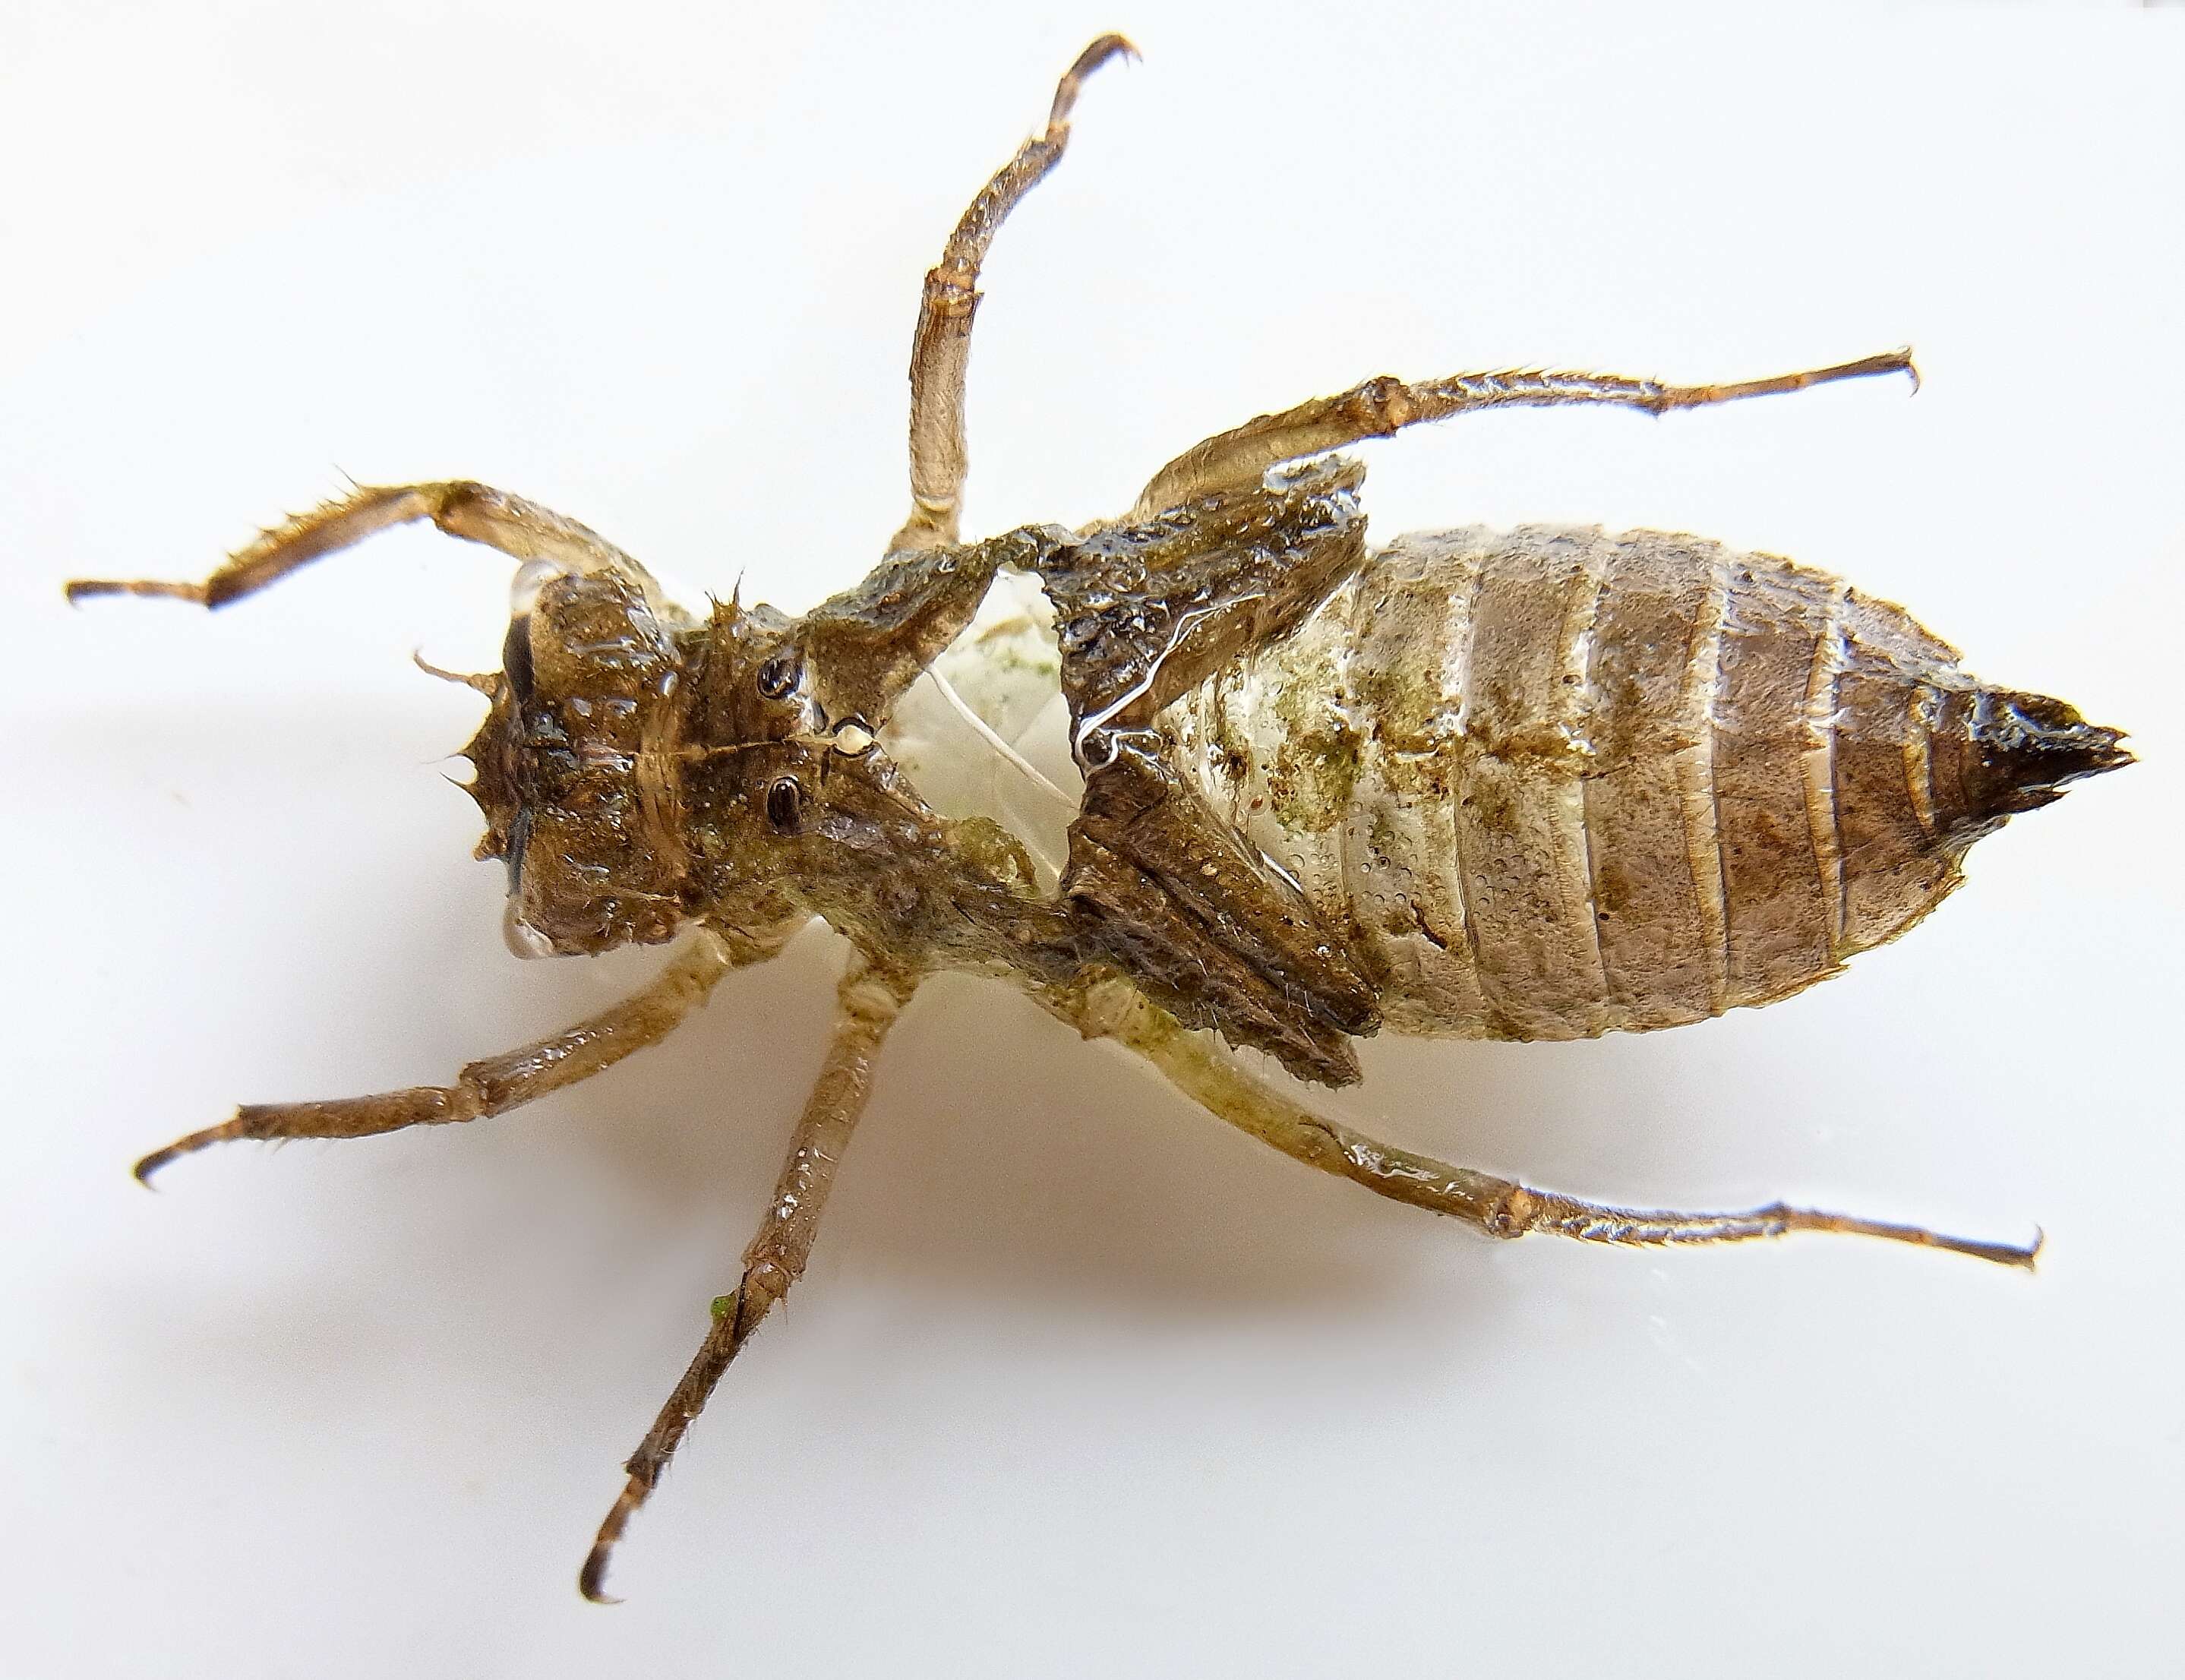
1534	785
1553	783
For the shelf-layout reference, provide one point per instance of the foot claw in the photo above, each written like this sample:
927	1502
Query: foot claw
184	1145
592	1579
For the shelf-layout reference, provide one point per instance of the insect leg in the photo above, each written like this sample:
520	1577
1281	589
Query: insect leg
501	1083
940	348
1382	407
1498	1206
869	1000
521	529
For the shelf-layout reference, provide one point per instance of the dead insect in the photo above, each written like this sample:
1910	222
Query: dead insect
1539	785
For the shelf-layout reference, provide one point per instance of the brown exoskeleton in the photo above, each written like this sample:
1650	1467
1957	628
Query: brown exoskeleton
1539	785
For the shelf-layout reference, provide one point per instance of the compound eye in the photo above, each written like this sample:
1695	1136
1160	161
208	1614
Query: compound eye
777	677
784	805
519	836
515	659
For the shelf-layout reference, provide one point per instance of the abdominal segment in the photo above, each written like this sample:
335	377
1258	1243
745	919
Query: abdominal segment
1553	783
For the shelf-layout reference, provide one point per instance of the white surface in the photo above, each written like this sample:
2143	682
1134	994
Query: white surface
1080	1383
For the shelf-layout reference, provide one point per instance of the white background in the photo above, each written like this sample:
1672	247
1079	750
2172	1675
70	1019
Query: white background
1079	1383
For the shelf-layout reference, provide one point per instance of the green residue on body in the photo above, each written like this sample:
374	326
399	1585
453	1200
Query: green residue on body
1315	768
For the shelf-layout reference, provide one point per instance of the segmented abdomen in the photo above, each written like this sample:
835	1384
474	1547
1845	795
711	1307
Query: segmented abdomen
1553	783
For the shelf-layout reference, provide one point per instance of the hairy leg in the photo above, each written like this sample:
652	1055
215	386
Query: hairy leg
521	529
1499	1206
1382	407
501	1083
941	349
869	1000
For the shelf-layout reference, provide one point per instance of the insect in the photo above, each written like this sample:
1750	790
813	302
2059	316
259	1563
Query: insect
1529	785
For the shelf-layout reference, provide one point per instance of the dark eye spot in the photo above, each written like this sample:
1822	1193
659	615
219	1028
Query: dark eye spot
519	836
777	677
515	659
784	804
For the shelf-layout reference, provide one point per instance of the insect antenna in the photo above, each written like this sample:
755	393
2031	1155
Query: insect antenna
485	682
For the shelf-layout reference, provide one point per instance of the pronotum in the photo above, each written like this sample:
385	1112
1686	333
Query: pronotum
1536	784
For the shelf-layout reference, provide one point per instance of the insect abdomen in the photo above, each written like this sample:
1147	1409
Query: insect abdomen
1553	783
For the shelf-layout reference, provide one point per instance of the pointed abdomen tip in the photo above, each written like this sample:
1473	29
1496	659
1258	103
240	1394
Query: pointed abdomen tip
2027	748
